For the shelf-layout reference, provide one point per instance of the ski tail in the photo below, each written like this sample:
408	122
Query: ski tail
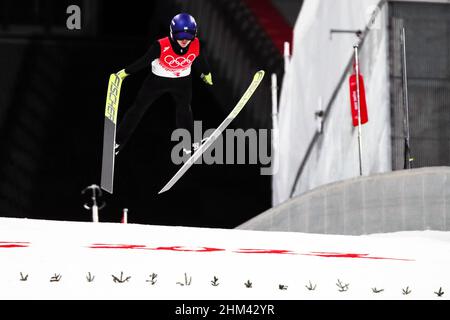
257	79
109	135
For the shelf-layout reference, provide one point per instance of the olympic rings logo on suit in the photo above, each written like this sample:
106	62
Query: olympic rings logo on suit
180	61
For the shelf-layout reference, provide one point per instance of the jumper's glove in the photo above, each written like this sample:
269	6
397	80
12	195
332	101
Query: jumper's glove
207	78
122	74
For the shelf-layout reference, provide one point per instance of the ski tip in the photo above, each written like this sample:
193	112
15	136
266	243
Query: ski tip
259	75
107	189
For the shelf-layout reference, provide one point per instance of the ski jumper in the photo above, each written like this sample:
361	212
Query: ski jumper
171	67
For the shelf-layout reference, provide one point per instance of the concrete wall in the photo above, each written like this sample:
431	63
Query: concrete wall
416	199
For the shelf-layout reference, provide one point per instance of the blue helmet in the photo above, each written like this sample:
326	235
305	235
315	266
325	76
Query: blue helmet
183	26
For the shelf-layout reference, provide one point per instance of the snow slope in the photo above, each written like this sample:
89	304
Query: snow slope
279	266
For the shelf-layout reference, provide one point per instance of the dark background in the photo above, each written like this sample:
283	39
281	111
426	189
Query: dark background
53	86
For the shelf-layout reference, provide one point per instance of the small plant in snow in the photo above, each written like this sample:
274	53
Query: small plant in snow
90	277
215	282
23	277
375	290
342	287
56	278
311	287
406	291
152	279
248	284
282	287
121	279
187	282
440	293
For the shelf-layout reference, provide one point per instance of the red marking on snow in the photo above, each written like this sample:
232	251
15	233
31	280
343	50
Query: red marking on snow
143	247
184	249
265	251
245	251
12	245
349	255
116	246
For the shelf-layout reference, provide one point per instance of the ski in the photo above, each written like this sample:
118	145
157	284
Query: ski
109	135
257	79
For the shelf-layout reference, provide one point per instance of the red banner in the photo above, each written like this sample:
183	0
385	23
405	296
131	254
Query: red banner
354	100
